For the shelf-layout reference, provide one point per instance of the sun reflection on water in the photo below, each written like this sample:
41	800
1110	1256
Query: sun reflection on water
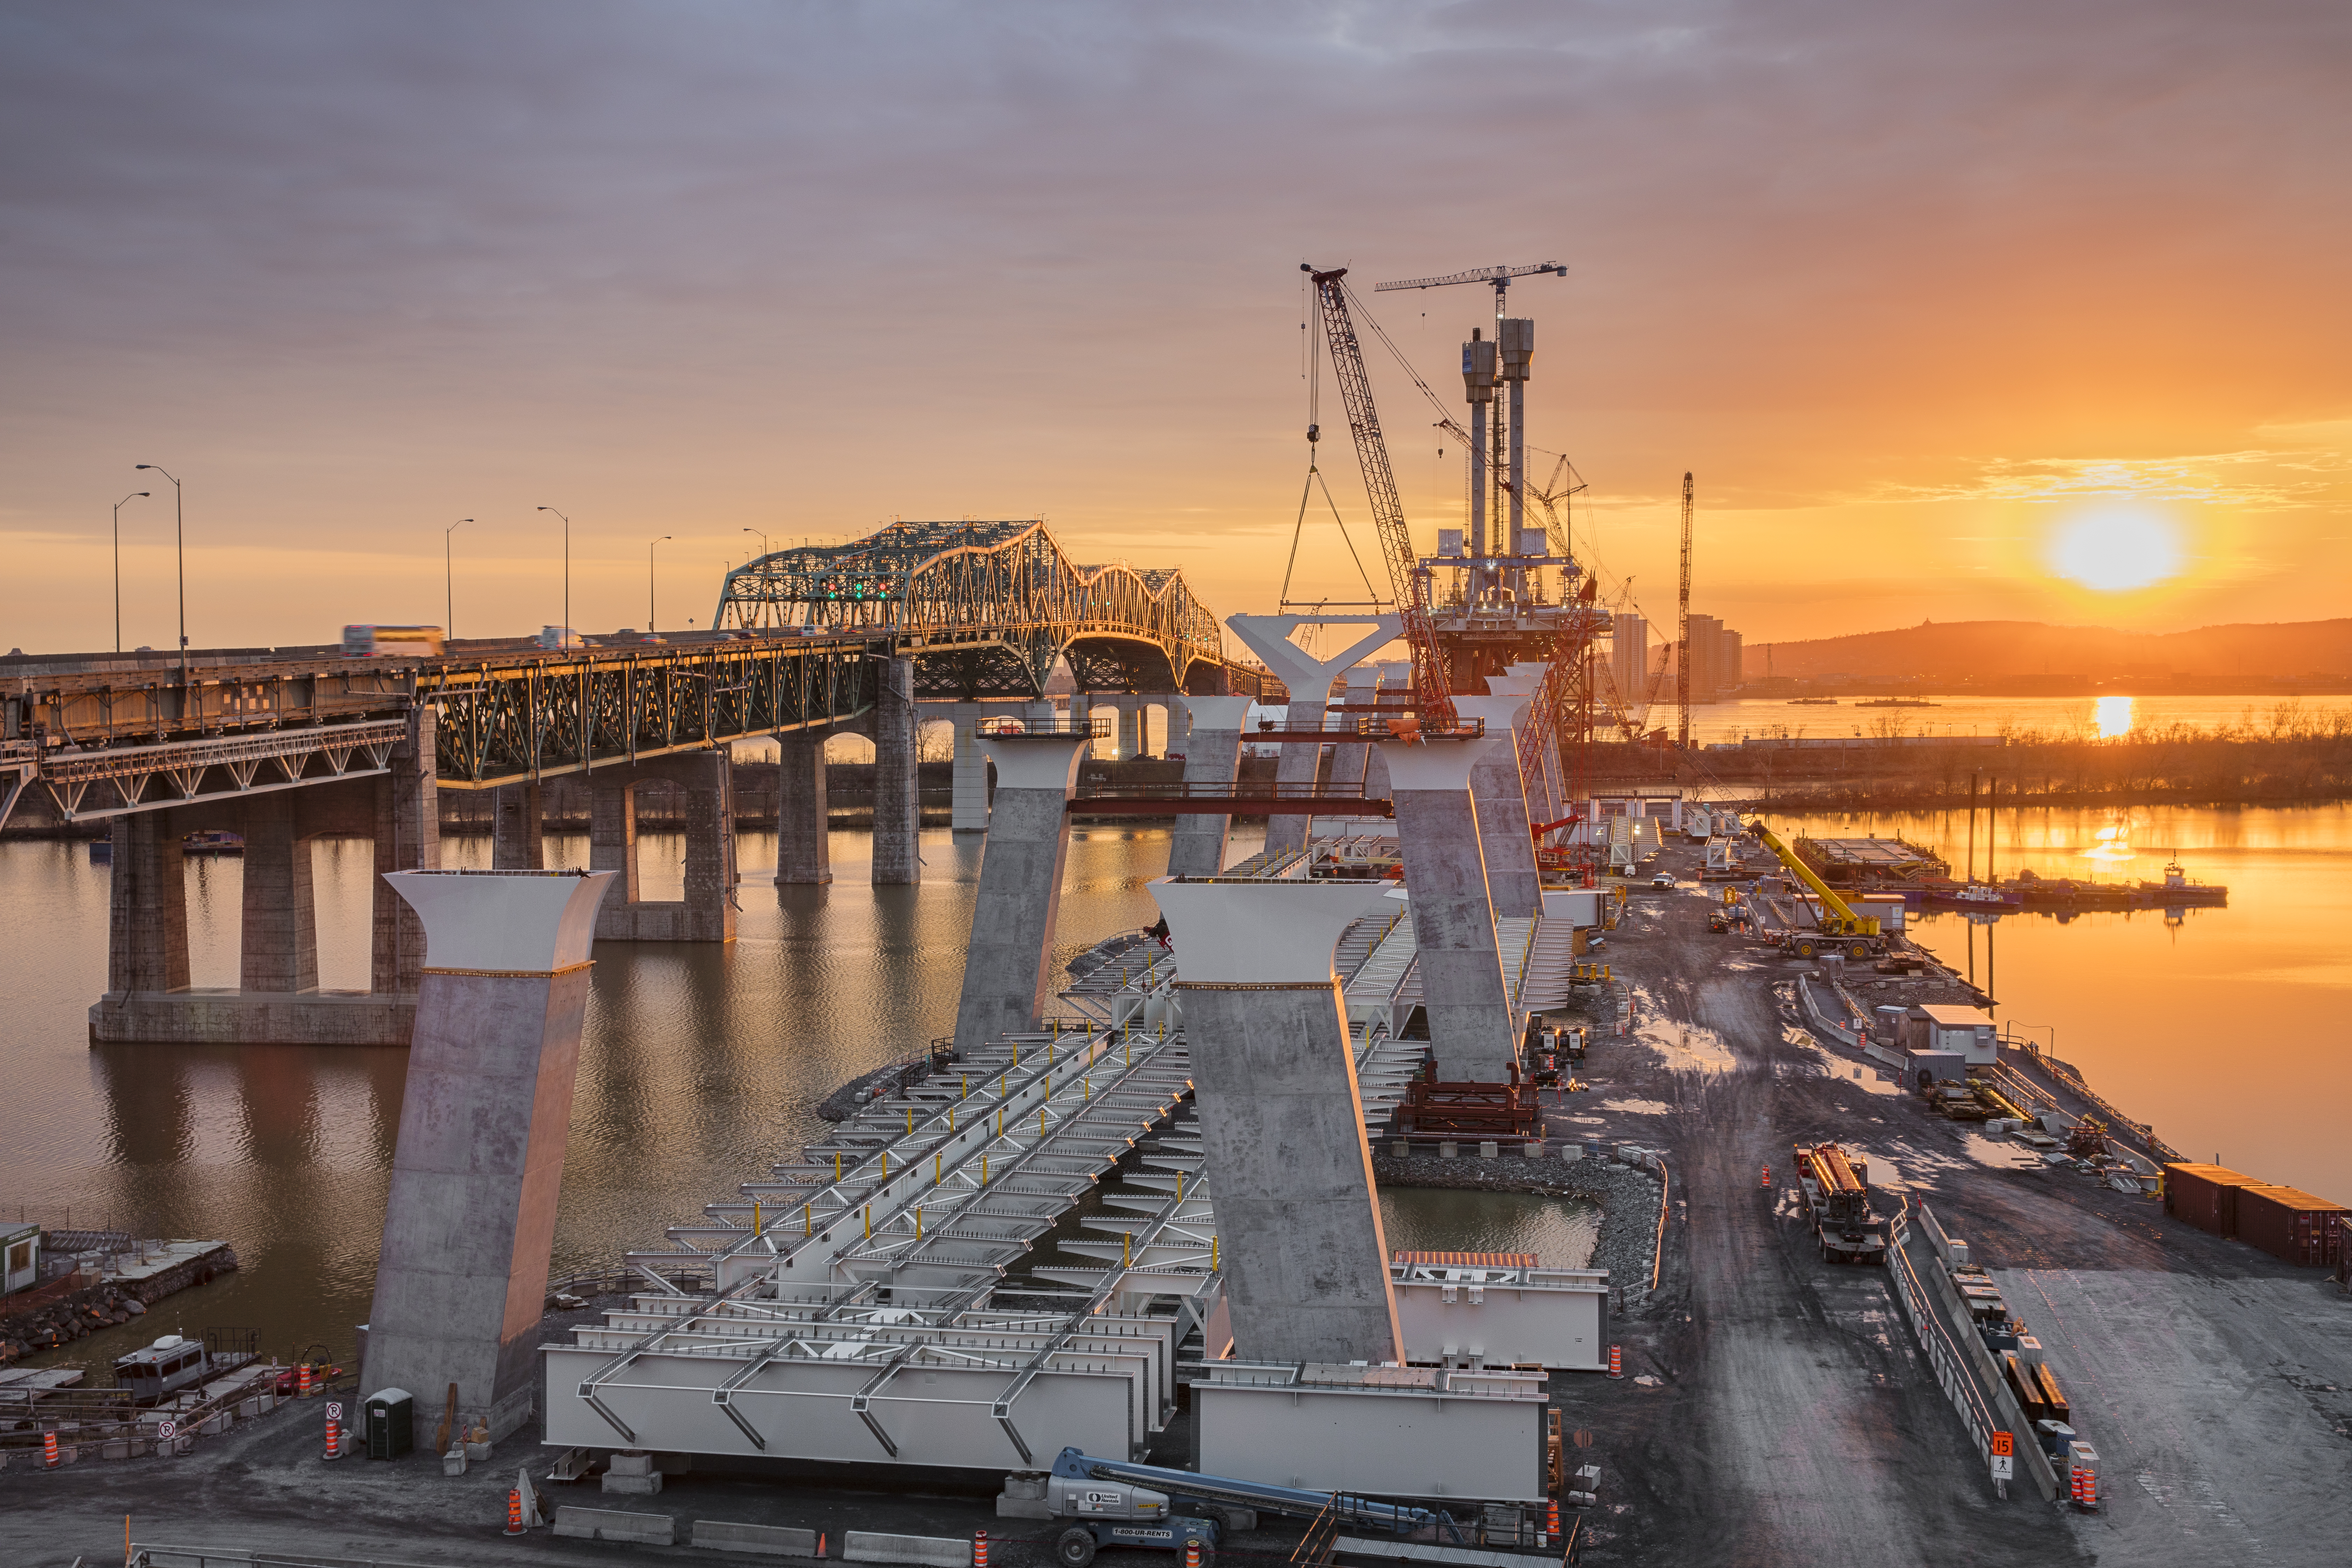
2112	842
2112	716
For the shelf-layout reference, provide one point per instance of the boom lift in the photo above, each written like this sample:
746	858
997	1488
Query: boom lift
1841	931
1117	1503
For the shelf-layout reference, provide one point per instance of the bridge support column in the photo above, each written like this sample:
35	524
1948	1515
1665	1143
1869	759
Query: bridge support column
1008	968
707	913
517	830
968	813
1499	794
803	852
1349	761
147	908
1134	733
1282	1119
407	838
478	1169
898	794
1472	1031
1308	679
1213	754
277	948
1547	795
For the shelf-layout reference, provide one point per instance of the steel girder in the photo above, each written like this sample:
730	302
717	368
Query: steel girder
985	608
502	723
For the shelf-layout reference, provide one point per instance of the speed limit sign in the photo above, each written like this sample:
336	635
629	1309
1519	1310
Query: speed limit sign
2004	1461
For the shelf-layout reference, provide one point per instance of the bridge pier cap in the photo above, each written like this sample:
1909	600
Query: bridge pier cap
1309	677
1438	764
1031	760
533	923
1240	931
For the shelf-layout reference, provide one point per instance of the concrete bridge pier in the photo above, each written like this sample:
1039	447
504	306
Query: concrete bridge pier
1472	1030
897	794
707	912
803	848
475	1174
1547	795
407	838
277	950
517	832
1309	680
1500	798
1008	970
968	811
1282	1119
1213	755
147	909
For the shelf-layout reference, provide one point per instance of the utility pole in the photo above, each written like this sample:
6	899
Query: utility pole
450	581
118	564
649	581
1682	635
180	545
563	632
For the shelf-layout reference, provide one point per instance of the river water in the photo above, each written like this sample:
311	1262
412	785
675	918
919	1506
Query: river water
701	1065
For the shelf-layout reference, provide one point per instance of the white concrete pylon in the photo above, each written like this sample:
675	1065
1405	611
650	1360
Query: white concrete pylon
1213	754
1008	964
1282	1121
1472	1031
1308	679
478	1164
1500	794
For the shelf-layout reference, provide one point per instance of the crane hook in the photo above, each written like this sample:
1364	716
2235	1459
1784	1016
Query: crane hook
1314	433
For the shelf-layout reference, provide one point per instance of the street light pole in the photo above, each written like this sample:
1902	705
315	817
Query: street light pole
449	581
564	632
118	564
650	628
180	545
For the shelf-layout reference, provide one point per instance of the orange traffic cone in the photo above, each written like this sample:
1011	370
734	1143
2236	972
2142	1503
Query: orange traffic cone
980	1549
514	1511
1616	1363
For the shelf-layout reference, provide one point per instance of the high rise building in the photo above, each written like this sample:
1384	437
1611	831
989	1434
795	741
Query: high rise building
1629	658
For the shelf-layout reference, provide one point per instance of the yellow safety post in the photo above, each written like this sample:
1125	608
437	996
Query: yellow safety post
1213	1255
808	1219
1180	1186
983	1170
967	1087
1127	1250
836	1164
885	1164
1016	1053
1086	1088
757	1228
1000	1122
918	1222
869	1222
935	1169
1003	1083
1040	1122
911	1122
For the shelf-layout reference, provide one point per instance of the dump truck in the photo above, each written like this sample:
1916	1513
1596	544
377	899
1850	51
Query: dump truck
1837	1194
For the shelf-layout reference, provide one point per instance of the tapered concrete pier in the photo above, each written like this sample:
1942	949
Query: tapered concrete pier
897	797
1213	756
1308	679
1282	1119
1008	970
1499	794
1472	1030
462	1276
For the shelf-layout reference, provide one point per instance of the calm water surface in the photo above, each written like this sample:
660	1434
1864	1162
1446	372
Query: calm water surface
701	1065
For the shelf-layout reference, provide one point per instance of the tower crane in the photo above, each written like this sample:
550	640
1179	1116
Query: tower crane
1407	580
1682	631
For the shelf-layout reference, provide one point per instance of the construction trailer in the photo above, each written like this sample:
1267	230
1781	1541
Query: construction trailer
1837	1194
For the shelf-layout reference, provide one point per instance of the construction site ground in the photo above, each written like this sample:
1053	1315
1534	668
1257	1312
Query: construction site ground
1775	1409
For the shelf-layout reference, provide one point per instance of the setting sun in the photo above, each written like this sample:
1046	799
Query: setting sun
2115	551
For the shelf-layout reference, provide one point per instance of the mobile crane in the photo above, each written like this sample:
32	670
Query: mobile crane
1841	930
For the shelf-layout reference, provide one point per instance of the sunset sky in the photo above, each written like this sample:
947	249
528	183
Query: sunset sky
1937	300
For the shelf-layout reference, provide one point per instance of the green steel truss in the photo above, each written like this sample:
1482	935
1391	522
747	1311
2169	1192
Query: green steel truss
984	608
495	723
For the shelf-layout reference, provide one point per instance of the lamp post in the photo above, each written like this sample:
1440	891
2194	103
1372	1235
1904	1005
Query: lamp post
118	563
650	627
564	631
763	540
180	547
449	581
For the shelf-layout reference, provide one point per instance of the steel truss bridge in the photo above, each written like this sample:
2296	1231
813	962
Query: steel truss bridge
981	608
986	608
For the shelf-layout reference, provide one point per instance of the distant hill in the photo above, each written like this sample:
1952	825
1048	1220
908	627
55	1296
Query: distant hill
1982	650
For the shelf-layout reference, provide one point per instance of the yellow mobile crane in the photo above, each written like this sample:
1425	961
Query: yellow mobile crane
1841	931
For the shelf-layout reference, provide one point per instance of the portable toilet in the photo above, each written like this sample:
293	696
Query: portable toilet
391	1423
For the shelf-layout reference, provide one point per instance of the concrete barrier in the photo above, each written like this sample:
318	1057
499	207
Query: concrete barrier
611	1524
931	1551
764	1540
